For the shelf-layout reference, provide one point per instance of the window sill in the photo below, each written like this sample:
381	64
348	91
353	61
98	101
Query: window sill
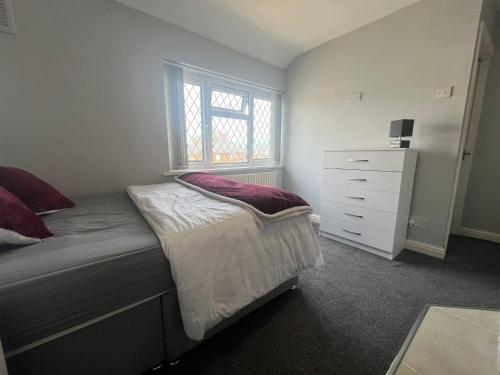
226	170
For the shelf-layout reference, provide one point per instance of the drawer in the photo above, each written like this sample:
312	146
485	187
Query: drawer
380	220
377	200
358	233
365	160
371	180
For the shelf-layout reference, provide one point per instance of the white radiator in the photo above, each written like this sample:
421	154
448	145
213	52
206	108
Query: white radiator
269	178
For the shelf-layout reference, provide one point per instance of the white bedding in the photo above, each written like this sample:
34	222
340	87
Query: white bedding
222	256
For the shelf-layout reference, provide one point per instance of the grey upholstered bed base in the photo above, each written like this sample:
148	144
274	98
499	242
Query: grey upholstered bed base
98	298
176	341
130	341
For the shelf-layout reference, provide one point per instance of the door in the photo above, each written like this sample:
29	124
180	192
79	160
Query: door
485	53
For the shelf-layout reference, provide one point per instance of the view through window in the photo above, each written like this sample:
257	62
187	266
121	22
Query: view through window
227	123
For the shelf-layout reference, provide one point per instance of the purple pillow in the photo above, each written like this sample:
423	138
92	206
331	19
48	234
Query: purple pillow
18	224
37	195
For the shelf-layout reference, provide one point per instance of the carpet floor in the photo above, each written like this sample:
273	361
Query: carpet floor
352	316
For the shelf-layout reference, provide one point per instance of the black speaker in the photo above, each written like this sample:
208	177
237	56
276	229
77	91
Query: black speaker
399	129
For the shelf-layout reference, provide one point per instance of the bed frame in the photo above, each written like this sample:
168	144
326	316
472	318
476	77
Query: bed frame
132	340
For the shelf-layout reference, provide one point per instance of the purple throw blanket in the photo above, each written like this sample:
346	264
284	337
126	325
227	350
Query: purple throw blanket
268	200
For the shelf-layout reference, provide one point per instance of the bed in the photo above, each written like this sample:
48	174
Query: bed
97	298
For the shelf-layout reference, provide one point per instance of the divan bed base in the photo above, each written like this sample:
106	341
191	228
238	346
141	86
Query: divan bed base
132	341
176	341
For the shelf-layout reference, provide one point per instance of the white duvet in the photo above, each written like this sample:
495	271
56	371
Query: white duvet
222	256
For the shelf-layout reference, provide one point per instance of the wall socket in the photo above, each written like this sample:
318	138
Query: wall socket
418	221
444	92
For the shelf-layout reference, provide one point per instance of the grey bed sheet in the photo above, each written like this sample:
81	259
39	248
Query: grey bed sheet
103	257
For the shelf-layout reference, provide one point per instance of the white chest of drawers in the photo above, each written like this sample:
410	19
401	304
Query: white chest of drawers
366	197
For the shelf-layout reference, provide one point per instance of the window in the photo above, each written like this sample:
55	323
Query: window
193	121
262	129
223	123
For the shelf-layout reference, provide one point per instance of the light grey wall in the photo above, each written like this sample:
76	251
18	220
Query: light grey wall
398	63
482	202
81	91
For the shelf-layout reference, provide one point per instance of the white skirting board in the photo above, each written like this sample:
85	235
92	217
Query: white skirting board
479	234
418	247
426	249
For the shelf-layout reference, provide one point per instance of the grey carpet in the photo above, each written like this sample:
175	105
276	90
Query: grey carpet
352	316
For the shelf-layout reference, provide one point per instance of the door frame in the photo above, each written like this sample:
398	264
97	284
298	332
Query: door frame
484	51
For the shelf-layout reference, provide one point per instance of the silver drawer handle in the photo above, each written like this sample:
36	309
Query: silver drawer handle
361	160
353	215
351	232
360	198
356	179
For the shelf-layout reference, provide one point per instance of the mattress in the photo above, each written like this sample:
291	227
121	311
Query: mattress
246	257
103	257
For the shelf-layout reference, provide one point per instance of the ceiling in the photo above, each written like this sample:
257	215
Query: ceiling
273	31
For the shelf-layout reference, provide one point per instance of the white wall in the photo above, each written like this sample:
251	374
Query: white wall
81	91
398	63
482	202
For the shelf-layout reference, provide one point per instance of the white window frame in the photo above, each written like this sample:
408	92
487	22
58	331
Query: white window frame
209	82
